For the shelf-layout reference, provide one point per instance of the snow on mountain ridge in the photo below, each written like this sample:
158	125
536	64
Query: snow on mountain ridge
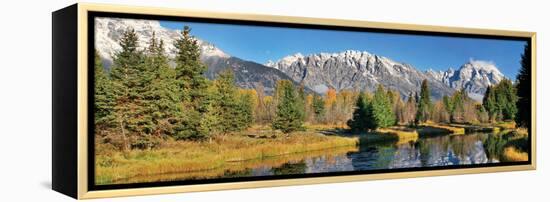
474	76
109	31
353	69
349	69
328	70
248	75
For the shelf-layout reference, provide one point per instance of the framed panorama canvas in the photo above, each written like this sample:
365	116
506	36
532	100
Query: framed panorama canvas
154	100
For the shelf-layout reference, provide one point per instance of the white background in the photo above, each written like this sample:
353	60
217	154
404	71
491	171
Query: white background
25	99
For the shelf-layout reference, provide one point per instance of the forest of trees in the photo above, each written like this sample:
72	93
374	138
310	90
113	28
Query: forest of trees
142	99
385	109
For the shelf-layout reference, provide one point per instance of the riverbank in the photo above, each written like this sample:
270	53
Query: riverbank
431	128
403	134
396	134
459	129
222	152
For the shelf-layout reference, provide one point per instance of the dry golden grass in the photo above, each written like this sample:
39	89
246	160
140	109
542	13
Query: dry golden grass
241	167
435	126
512	154
523	132
506	125
401	132
325	126
398	134
188	156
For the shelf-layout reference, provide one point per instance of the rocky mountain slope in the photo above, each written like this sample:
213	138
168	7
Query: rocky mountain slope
247	74
351	69
474	76
363	70
356	70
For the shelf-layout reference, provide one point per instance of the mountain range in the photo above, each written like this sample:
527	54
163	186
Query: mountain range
350	69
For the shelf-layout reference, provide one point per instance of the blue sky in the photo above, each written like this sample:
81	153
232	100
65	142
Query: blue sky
260	44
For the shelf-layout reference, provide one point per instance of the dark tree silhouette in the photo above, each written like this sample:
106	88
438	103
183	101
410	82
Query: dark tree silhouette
523	86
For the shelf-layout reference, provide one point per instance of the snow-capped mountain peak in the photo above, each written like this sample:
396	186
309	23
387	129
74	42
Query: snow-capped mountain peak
248	74
354	70
109	30
474	76
347	69
481	65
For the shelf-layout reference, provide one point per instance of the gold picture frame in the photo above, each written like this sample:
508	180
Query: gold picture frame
74	20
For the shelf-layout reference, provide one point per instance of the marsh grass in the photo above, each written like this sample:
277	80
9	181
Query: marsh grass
513	154
395	134
241	168
430	128
188	156
403	134
506	125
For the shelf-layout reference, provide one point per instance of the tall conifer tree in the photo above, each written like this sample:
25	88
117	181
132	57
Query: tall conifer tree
131	82
193	88
163	96
382	108
288	115
104	98
424	103
318	105
362	119
523	86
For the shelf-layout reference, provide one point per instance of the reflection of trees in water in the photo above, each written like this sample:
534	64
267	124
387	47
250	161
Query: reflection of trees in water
372	155
495	144
406	156
240	173
327	163
433	151
424	152
452	150
290	168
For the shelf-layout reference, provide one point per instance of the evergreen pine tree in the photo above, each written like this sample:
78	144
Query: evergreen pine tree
245	110
362	119
131	81
225	102
382	108
288	114
523	86
489	103
104	98
459	100
449	106
193	88
163	96
424	103
506	99
500	100
318	105
190	70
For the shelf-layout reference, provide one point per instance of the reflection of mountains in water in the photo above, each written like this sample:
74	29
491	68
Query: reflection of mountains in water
426	152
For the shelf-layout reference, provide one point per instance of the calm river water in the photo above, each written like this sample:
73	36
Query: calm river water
477	148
